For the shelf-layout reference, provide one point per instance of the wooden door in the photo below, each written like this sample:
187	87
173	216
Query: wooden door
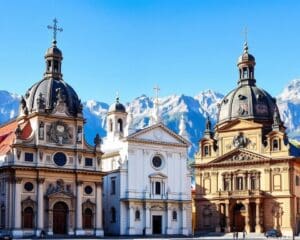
60	214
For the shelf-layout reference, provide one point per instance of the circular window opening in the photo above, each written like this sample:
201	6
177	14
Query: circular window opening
88	189
157	162
28	186
60	159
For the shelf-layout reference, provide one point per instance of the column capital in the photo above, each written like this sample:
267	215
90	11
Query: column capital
40	180
79	182
98	184
17	179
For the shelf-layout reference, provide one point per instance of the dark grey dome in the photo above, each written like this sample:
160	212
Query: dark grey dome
53	51
117	107
48	91
247	102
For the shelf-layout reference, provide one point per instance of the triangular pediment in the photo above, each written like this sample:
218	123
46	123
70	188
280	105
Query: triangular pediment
158	175
60	194
239	124
240	155
158	133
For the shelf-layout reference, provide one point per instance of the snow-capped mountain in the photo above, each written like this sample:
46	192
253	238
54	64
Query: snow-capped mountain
289	105
172	108
9	106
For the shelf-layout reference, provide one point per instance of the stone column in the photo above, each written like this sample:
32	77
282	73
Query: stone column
218	220
99	227
131	229
227	228
148	221
258	228
40	202
17	231
247	218
184	221
249	181
169	221
79	231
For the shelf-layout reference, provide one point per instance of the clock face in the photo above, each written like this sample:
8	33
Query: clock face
60	128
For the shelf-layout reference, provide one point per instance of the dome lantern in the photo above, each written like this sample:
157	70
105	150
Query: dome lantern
246	64
53	56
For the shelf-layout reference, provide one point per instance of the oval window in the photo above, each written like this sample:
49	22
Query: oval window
28	186
157	162
60	159
88	189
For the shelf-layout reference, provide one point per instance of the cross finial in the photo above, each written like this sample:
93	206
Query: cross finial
55	29
245	32
117	96
156	89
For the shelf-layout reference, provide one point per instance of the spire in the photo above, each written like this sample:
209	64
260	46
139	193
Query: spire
208	131
276	120
246	64
182	127
53	56
155	114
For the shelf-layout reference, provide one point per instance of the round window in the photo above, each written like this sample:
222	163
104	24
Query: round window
157	162
28	186
88	189
60	159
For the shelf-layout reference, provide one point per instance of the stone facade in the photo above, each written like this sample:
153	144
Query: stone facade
147	190
246	171
50	178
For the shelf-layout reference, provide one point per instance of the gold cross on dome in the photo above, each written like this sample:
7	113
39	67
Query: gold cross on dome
55	29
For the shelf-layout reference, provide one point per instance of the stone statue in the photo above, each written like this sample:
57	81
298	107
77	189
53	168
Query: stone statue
97	140
79	135
41	131
240	141
41	102
23	106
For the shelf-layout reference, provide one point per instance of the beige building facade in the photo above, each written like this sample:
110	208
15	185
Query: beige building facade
246	170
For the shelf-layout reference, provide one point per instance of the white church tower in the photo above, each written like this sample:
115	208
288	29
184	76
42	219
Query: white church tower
148	187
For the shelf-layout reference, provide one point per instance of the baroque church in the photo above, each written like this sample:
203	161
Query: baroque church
50	177
247	173
148	186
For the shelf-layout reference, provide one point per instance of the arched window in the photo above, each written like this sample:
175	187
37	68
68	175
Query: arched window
28	217
174	215
137	215
245	73
275	145
113	215
88	219
120	125
110	125
206	150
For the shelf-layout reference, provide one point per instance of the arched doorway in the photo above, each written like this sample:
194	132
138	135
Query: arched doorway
238	218
60	218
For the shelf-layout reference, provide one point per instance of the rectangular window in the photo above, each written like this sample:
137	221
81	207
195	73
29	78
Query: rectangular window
157	188
226	184
297	181
88	162
113	186
252	183
239	183
28	157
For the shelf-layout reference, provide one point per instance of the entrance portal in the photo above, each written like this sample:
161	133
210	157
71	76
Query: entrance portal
238	218
157	224
60	217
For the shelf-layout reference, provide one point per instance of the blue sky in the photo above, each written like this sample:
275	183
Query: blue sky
129	46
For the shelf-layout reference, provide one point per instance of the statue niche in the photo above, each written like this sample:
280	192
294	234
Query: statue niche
59	133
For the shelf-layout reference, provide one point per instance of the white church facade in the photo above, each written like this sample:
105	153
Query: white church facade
148	186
